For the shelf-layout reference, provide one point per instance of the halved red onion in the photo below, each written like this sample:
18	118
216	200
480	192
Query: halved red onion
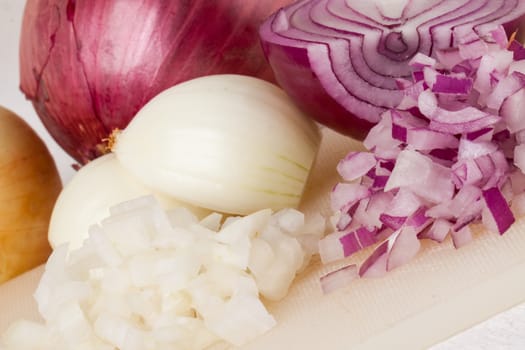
339	60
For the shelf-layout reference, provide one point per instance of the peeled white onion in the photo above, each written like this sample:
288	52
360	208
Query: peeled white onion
230	143
86	199
148	278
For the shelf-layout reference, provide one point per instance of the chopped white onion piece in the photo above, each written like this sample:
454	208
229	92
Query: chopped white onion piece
150	279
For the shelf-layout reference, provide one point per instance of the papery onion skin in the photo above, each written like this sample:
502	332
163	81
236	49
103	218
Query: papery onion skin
89	65
30	184
345	77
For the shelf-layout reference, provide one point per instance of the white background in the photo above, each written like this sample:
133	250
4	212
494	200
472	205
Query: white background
505	331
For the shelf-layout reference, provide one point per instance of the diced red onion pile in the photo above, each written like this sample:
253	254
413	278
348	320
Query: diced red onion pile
451	154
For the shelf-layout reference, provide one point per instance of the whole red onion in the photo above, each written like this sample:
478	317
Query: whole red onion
89	65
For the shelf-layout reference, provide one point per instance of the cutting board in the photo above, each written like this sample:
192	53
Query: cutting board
441	292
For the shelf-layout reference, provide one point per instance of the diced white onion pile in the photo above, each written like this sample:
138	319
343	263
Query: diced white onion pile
451	154
150	279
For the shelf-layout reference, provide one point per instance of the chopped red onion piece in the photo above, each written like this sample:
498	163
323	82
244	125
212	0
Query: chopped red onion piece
496	170
466	120
473	49
354	241
339	60
404	203
462	236
355	165
518	50
506	87
339	278
464	199
377	205
366	237
427	103
330	247
419	220
426	140
498	212
438	231
404	246
448	59
518	204
379	182
517	181
349	243
344	221
474	149
347	194
512	110
420	61
404	121
444	158
447	84
379	138
394	222
424	177
375	264
494	62
466	172
484	134
446	155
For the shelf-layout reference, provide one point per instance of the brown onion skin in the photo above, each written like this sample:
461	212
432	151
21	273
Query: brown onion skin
89	65
30	185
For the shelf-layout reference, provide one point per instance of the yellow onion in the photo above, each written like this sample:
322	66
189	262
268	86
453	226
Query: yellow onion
30	184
